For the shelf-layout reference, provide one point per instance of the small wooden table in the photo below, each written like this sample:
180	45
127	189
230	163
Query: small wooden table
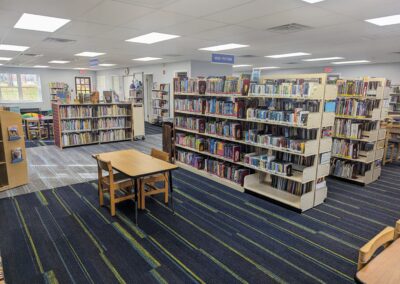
136	165
384	268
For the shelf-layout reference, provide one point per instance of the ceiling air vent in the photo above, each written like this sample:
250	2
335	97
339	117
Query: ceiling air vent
292	63
32	54
58	40
289	28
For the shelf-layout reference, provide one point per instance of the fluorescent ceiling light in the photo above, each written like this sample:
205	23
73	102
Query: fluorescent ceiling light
41	66
79	68
152	38
313	1
351	62
89	54
323	59
224	47
147	59
5	58
59	61
385	21
40	23
107	64
241	65
10	47
268	67
293	54
1	64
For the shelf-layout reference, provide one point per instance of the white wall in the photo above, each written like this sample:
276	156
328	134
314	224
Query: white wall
389	71
47	76
205	69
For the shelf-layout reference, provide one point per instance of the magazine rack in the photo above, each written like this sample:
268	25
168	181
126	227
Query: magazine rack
13	172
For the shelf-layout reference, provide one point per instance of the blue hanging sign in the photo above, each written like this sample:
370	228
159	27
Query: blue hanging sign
222	58
93	62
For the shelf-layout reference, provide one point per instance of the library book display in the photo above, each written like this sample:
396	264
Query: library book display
272	138
358	138
13	165
84	124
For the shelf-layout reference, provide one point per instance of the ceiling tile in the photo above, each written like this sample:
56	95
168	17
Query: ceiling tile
153	22
157	4
115	13
191	27
84	29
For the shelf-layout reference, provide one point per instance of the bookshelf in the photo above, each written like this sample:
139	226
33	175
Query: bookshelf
394	103
273	140
57	90
359	140
85	124
160	103
13	165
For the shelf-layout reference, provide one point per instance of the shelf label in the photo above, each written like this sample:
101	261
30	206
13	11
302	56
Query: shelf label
222	58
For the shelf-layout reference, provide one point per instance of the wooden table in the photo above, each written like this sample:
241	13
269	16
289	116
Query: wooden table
136	165
46	119
385	268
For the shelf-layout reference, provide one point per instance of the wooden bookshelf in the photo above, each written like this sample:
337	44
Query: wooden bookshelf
365	167
87	124
12	173
259	180
160	103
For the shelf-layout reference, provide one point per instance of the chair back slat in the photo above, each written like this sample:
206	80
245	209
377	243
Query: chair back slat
160	155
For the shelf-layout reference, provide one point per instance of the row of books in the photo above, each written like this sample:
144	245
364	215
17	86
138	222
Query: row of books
213	84
160	104
298	117
68	125
57	85
226	107
76	111
254	136
113	135
78	138
300	88
113	122
193	105
224	170
348	169
354	107
352	87
111	110
348	128
292	105
347	149
290	186
268	162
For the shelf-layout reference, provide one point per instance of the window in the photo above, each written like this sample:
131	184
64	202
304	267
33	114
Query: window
20	88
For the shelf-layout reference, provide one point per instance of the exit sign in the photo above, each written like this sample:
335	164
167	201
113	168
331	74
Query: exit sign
328	69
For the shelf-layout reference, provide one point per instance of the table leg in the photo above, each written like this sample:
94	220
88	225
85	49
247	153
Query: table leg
26	129
134	181
171	189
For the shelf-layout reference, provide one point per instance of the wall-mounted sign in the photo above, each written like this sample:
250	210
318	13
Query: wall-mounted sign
328	69
222	58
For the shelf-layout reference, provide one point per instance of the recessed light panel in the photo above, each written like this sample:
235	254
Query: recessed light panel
81	68
267	67
385	21
152	38
224	47
323	59
106	64
89	54
313	1
5	58
10	47
293	54
41	66
59	61
241	65
147	59
40	23
351	62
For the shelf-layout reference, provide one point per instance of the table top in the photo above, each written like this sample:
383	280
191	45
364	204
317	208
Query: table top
136	164
385	268
36	118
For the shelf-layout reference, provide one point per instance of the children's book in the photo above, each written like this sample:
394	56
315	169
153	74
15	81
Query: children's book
13	133
16	155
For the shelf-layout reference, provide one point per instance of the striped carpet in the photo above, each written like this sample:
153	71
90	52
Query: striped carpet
151	129
217	235
38	143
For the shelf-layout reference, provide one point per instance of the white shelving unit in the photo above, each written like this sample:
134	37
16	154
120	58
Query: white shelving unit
160	103
259	181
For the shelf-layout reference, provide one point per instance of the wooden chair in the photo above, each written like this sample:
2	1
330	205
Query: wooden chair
118	186
397	230
384	238
148	185
37	129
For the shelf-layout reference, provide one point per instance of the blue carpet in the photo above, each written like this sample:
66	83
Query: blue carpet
217	235
151	129
38	143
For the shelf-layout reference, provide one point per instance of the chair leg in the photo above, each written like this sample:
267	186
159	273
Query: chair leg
166	184
141	191
112	202
101	194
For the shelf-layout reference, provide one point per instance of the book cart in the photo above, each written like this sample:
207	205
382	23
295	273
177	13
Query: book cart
13	164
85	124
253	157
359	139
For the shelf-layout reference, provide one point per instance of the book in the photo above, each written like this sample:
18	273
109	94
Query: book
94	97
202	86
330	106
16	155
245	87
13	133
